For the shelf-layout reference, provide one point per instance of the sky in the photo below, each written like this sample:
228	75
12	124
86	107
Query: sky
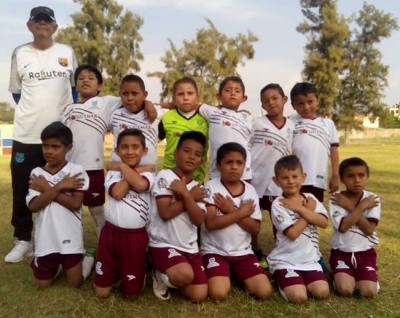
279	53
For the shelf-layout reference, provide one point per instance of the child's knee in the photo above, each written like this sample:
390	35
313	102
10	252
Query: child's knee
321	293
296	296
102	292
218	294
181	279
345	289
75	281
367	292
41	283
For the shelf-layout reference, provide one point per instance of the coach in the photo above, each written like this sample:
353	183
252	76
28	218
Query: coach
42	84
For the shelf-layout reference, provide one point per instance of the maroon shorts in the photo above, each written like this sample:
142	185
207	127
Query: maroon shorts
121	256
360	265
244	267
289	277
95	195
317	192
166	257
46	267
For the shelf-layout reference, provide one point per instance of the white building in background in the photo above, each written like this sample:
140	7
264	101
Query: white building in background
395	111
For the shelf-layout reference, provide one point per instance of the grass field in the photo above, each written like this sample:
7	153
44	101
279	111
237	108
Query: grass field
20	298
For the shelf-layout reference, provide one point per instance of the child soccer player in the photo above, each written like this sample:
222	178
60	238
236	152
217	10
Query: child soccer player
184	118
355	214
88	121
173	245
123	240
295	215
271	140
233	215
55	196
315	141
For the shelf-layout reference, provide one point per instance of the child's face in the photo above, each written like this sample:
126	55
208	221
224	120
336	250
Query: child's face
355	179
306	105
87	84
131	150
54	152
132	96
232	95
186	98
189	156
231	167
290	181
273	102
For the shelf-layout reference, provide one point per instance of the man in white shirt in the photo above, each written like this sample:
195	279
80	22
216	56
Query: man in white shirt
41	80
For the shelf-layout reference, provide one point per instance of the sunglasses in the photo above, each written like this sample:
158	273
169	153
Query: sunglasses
42	17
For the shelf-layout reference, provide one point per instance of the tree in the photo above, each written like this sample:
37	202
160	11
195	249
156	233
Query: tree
364	76
106	36
6	113
388	120
208	59
326	32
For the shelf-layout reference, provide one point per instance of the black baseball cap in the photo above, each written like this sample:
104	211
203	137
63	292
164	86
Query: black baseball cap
42	10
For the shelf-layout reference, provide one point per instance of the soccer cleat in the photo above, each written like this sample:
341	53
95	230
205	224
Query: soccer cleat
160	290
21	250
262	258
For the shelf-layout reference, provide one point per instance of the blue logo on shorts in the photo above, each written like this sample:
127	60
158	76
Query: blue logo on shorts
19	157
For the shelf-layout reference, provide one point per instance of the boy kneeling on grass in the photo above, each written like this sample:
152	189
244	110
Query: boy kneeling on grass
55	196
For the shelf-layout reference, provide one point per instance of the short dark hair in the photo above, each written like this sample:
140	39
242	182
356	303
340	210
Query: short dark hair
228	148
184	80
235	79
304	89
89	68
291	162
59	131
273	86
196	136
352	162
132	78
132	132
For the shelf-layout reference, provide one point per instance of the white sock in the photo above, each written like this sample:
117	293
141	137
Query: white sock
164	278
97	213
87	265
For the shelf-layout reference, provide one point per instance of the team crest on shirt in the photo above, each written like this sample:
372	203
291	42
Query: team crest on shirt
173	253
207	193
61	174
63	61
244	115
162	183
341	265
94	105
336	214
19	157
212	263
280	219
291	273
200	122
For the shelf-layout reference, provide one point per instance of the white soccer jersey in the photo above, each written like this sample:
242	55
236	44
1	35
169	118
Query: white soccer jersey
226	125
231	240
269	144
132	211
179	232
123	119
300	254
58	229
44	80
312	141
88	122
354	239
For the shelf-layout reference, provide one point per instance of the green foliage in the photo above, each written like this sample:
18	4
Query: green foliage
6	113
388	120
105	35
208	59
326	32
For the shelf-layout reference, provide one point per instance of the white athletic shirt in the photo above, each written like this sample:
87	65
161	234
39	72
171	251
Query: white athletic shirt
269	144
300	254
58	229
231	240
123	119
131	212
312	141
179	232
226	125
354	239
44	79
88	122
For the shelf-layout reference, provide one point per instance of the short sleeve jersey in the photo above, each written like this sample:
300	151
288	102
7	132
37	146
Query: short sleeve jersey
123	119
301	253
58	229
44	80
354	239
133	210
172	125
312	142
88	122
231	240
270	143
179	232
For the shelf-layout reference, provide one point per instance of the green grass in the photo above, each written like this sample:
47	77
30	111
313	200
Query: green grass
20	298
